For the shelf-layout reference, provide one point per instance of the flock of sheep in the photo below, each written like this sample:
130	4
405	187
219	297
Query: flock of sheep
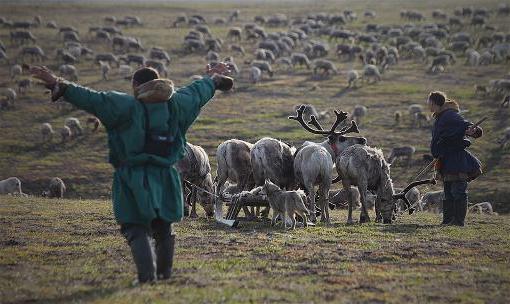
314	43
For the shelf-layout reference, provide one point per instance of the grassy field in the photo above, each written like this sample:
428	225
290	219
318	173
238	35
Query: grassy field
71	251
61	251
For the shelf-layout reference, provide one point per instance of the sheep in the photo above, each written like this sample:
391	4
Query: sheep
24	85
159	54
35	53
472	57
234	34
399	152
10	96
371	71
358	112
234	164
105	69
16	71
124	71
264	66
286	203
300	59
107	57
93	122
74	124
68	71
505	138
482	208
56	188
65	134
325	65
47	132
366	168
194	168
159	66
237	48
313	162
433	201
11	185
22	36
255	74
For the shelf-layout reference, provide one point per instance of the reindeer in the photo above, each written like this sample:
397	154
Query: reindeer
366	168
234	164
313	162
195	169
400	152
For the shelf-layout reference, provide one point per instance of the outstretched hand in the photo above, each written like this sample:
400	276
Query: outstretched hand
45	75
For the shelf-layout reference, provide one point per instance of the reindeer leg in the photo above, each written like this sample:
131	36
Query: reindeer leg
350	197
311	198
364	217
193	202
323	200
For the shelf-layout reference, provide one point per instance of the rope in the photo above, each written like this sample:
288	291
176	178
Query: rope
202	189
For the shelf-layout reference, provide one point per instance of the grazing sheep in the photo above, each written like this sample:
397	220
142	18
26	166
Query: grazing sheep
406	152
94	122
16	71
482	208
264	66
255	74
24	85
65	134
358	112
68	71
47	132
433	201
105	69
56	188
300	59
371	71
159	66
11	185
503	141
352	78
286	204
237	48
234	34
10	95
234	164
326	66
74	124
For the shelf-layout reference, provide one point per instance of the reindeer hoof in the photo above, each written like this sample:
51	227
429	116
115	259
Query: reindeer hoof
411	210
364	219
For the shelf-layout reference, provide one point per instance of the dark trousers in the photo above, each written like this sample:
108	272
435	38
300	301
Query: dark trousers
151	261
455	191
455	202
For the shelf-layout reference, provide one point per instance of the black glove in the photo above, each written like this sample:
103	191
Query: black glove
222	83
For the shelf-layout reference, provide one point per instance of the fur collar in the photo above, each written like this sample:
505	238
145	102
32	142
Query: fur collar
448	105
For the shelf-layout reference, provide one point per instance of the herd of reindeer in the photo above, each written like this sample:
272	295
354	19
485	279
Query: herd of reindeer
294	43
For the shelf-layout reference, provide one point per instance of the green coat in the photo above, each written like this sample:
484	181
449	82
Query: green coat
145	186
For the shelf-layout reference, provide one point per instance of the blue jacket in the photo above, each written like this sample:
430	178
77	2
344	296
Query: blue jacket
449	143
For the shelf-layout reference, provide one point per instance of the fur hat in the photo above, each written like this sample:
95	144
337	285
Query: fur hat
154	91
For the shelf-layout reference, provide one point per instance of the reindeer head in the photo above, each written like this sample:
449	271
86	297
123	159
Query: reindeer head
388	210
336	139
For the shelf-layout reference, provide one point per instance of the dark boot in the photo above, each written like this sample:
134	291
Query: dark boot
460	212
141	249
165	256
448	212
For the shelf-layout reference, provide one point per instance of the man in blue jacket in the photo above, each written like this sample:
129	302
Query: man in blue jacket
456	165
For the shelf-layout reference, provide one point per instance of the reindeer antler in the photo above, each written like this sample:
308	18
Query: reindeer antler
340	116
402	195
